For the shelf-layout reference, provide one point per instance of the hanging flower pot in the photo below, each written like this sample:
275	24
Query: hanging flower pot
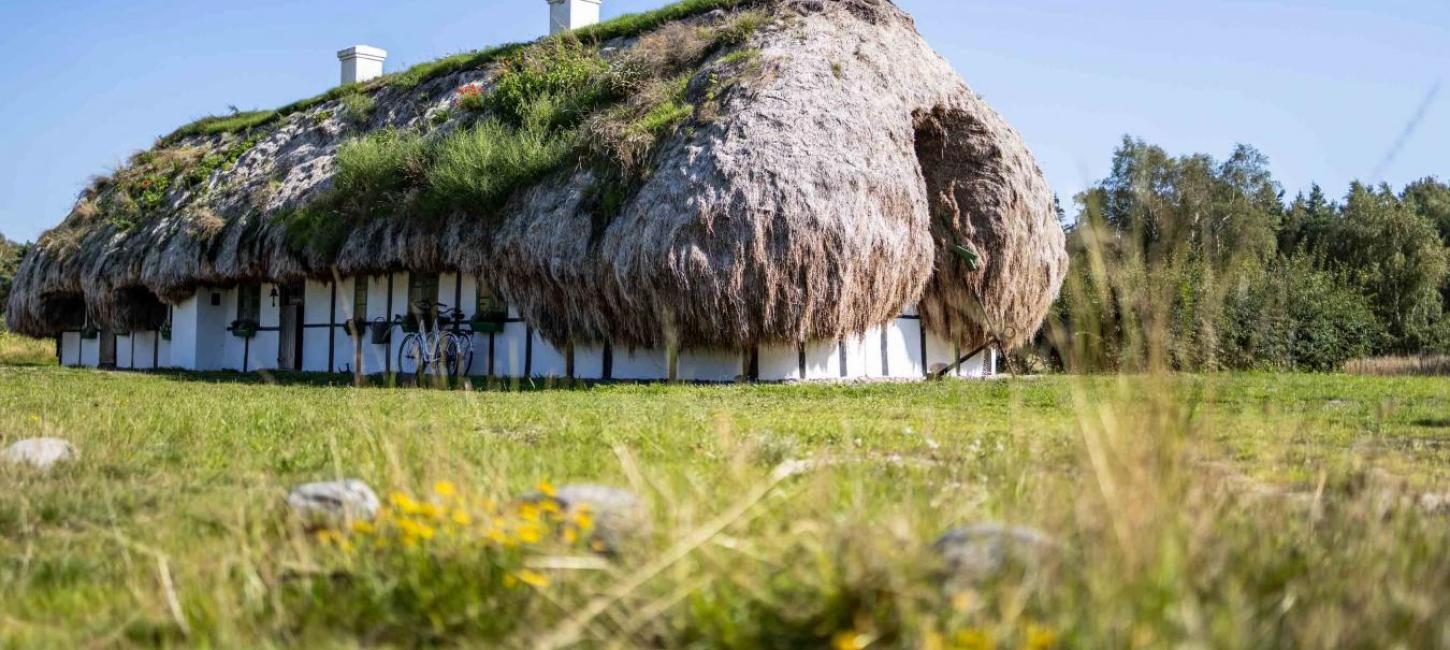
90	332
408	323
355	327
382	332
166	332
244	329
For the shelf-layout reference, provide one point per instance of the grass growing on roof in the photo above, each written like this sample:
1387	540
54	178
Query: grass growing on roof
547	99
476	170
373	171
623	26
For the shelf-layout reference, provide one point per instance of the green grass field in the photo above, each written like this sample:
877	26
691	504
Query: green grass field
1207	511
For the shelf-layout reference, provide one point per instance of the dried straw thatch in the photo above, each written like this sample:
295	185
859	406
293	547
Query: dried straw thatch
812	197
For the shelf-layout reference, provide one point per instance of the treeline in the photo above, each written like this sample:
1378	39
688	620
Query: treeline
1192	263
10	254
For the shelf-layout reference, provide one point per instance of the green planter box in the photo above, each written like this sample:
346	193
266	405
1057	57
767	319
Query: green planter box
492	315
486	327
244	329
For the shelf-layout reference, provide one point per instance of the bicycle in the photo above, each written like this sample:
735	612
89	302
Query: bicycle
442	348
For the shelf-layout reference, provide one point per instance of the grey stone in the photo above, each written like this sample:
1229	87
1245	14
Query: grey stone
332	503
981	552
39	453
618	514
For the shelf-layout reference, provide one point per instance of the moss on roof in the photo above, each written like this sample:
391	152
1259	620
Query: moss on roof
620	27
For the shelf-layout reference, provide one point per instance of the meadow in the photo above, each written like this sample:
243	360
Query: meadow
1232	510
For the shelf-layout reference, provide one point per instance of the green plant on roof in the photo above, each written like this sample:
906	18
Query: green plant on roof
358	108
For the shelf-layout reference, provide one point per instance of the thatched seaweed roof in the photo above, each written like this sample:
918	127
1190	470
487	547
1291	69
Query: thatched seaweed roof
721	173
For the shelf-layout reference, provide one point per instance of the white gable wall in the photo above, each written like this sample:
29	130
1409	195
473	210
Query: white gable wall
70	348
710	365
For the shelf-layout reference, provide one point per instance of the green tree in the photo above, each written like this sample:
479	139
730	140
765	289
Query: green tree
1307	223
1395	255
10	253
1212	211
1431	199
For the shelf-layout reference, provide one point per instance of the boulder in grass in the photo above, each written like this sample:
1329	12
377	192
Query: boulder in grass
618	514
334	503
39	453
981	552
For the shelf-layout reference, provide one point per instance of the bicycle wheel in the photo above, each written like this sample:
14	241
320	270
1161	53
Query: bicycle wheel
412	358
465	362
449	355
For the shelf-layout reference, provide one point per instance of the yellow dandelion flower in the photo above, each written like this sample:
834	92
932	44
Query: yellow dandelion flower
461	518
496	536
584	520
550	506
445	489
529	534
571	535
546	488
972	639
415	529
404	503
1040	637
533	578
430	511
529	512
849	641
510	581
933	641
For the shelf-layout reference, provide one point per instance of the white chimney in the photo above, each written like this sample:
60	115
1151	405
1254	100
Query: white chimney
361	63
565	15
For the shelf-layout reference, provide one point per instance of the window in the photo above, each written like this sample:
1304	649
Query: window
249	302
423	288
360	297
488	302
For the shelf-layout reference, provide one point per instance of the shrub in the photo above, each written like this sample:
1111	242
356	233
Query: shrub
627	134
358	108
741	27
561	71
475	170
375	170
1294	317
469	98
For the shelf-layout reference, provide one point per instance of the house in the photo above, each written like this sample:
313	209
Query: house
768	189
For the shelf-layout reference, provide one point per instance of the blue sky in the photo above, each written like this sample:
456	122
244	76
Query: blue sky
1324	87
